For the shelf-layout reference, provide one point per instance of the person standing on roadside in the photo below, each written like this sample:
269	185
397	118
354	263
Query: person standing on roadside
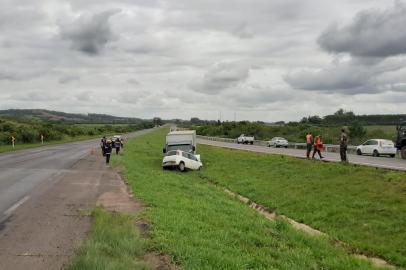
309	144
343	146
107	150
102	144
318	146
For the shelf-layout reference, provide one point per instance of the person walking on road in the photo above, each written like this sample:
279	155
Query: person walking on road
309	144
102	144
117	145
107	150
318	146
343	146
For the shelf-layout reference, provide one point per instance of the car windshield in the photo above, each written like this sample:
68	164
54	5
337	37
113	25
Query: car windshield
171	153
182	147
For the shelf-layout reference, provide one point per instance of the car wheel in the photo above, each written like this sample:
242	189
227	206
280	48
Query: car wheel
252	143
286	146
375	153
403	152
392	156
182	167
359	152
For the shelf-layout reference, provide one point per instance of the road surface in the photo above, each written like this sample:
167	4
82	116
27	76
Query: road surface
43	193
378	162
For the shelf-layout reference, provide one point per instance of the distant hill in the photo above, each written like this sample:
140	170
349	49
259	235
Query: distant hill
55	116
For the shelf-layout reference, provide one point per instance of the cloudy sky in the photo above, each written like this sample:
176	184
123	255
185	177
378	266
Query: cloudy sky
257	60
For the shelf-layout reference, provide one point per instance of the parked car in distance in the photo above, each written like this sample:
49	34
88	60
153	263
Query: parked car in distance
377	147
244	139
181	160
278	142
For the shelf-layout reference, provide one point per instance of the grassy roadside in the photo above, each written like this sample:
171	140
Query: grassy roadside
361	206
203	228
9	148
114	244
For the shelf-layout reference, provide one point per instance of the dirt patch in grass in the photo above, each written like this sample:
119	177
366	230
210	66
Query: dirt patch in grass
123	201
269	214
159	262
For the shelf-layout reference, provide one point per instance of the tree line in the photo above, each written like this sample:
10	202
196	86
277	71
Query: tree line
30	130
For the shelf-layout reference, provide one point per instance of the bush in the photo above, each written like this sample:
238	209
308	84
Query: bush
28	135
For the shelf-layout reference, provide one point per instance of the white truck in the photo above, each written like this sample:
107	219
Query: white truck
244	139
184	140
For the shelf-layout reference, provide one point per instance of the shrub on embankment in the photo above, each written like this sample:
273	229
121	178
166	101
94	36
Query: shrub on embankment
30	131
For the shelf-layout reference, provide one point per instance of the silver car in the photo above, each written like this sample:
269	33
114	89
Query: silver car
278	142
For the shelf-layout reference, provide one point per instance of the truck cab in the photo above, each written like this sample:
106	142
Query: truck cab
401	139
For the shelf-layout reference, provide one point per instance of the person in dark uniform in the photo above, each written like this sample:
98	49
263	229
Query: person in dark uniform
107	151
102	144
343	146
117	145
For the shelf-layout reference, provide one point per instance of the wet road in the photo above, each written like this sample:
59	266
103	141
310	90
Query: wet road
23	171
379	162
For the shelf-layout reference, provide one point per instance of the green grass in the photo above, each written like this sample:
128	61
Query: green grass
364	207
114	244
204	228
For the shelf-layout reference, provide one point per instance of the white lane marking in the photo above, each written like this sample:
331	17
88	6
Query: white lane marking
16	205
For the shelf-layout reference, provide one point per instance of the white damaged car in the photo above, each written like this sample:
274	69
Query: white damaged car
181	160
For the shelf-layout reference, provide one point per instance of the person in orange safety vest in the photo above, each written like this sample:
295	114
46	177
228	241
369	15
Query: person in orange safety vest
317	146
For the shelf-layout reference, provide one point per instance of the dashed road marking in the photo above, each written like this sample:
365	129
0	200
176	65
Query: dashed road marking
16	205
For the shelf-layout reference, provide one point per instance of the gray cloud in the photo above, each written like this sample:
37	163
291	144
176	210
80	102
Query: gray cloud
372	33
169	48
349	77
35	96
90	33
222	76
68	79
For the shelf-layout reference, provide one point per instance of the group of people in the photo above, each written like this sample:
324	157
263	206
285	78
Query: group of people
317	145
107	146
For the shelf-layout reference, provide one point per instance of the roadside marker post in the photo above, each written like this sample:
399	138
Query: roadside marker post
13	140
42	139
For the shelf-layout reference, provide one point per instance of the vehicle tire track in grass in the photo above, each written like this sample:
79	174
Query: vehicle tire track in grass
271	215
361	206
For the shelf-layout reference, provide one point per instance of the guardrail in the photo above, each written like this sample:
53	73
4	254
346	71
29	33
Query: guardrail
327	147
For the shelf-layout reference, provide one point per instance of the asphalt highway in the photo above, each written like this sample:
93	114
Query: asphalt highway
21	172
378	162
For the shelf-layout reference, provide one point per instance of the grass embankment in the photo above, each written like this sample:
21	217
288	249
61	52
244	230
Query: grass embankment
203	228
364	207
114	243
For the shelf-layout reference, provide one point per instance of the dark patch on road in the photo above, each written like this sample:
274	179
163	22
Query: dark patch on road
4	221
